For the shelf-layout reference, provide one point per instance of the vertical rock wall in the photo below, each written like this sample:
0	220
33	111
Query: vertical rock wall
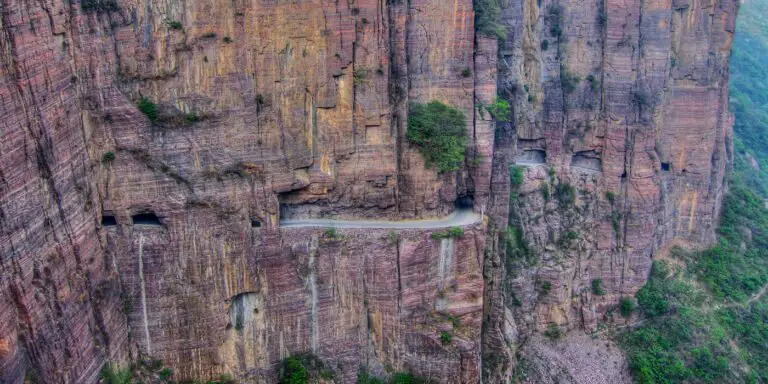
299	109
623	136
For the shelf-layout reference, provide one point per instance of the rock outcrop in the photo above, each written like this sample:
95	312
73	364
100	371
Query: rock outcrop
153	231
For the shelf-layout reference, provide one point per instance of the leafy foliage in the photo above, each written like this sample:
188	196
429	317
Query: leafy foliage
749	95
516	176
148	108
113	374
500	110
626	306
565	194
446	337
175	24
304	368
99	5
108	157
439	131
554	332
455	232
597	287
488	18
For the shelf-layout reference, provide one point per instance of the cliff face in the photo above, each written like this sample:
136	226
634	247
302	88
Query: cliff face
268	110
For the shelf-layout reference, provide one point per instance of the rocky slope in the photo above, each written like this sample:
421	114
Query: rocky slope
127	234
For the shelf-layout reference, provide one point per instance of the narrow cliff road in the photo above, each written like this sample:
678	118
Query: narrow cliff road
459	218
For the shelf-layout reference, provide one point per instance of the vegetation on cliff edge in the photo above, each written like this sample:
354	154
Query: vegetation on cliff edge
439	131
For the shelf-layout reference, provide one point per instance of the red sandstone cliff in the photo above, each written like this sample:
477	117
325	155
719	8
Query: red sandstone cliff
270	109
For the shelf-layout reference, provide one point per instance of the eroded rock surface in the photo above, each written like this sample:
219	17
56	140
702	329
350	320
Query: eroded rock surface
299	109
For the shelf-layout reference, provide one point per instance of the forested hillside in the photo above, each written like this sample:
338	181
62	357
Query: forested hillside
749	95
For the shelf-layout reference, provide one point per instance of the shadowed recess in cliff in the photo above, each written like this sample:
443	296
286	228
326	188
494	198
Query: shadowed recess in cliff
243	310
108	221
146	219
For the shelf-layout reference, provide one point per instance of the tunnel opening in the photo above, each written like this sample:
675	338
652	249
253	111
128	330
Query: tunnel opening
255	223
587	160
108	221
532	157
146	219
465	202
665	167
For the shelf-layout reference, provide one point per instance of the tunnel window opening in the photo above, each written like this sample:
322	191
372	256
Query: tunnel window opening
465	202
624	174
255	223
108	221
146	219
665	167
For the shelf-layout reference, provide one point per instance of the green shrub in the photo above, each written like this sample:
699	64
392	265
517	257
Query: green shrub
616	217
148	108
407	378
359	76
611	197
332	233
227	40
393	237
294	371
568	80
174	24
363	377
555	19
544	45
546	287
446	338
594	83
553	332
191	117
565	194
453	232
108	157
597	287
466	72
112	374
517	249
500	110
99	5
488	18
545	191
439	132
516	176
165	374
626	306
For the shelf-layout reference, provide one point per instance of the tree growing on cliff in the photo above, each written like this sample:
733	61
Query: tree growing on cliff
439	131
488	18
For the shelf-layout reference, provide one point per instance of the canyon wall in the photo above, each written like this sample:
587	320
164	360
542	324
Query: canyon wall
128	235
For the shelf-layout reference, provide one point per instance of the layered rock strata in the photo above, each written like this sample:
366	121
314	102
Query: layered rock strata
126	235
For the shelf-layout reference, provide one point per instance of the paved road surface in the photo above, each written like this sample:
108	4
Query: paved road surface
457	219
529	164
